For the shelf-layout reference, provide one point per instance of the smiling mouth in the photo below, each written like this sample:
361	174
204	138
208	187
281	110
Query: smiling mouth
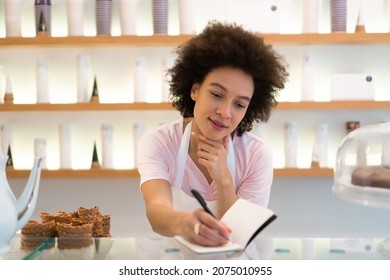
218	124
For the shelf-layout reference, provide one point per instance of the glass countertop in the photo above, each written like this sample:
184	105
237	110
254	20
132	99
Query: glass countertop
136	248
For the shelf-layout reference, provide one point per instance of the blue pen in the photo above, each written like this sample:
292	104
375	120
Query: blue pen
203	203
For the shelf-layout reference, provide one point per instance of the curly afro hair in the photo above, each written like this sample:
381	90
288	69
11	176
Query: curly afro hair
228	45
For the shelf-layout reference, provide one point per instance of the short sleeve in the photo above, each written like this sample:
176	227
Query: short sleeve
257	173
156	155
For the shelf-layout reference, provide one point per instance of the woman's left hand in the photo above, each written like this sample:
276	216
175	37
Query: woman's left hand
212	155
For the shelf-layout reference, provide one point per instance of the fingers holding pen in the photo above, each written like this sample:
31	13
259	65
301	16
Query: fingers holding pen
209	231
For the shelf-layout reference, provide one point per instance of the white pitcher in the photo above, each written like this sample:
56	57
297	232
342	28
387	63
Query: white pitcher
15	213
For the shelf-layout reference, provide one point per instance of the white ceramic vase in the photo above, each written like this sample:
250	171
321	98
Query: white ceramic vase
15	213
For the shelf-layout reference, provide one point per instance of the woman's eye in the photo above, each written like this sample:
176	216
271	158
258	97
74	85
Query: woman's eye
239	105
217	95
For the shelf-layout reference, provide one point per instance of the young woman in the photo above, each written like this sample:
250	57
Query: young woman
223	80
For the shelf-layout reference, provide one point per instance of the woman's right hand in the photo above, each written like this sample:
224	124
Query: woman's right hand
197	226
205	230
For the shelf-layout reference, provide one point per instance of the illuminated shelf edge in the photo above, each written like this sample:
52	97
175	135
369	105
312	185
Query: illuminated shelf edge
133	173
166	106
173	40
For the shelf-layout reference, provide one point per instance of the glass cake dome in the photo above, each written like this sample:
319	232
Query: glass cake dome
362	170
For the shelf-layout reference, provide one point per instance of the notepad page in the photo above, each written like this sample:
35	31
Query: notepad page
244	218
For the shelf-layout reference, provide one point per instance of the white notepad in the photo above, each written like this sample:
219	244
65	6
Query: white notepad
245	219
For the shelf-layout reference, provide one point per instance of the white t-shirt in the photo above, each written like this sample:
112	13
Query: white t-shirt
157	159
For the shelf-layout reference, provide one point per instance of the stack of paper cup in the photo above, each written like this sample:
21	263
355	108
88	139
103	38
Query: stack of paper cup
107	145
338	15
128	16
13	18
187	16
65	131
140	80
160	16
311	15
291	143
40	150
103	17
43	7
43	81
75	17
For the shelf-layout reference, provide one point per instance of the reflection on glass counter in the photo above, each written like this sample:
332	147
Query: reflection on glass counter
131	248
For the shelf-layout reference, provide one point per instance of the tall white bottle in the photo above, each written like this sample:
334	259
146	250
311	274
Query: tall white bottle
140	80
65	131
307	77
84	78
138	131
320	147
43	92
107	133
291	143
